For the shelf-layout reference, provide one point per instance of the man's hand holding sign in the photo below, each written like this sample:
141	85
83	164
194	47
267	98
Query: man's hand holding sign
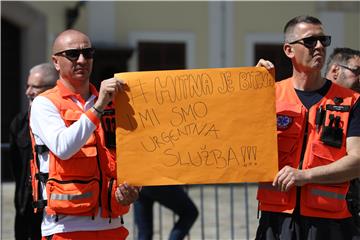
196	127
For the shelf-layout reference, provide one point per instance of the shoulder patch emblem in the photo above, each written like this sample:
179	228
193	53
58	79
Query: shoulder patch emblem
283	122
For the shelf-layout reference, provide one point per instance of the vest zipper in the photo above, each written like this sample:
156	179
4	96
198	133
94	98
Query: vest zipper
100	173
305	140
73	181
303	150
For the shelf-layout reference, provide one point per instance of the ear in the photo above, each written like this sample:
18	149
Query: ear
334	72
288	50
56	62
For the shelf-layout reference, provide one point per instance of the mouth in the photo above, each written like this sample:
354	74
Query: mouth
318	56
81	70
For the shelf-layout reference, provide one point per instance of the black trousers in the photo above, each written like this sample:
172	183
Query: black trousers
173	198
28	225
282	226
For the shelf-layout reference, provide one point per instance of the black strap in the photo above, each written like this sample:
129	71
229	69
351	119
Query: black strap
40	149
303	150
42	177
39	204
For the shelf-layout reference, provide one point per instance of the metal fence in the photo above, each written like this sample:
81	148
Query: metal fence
225	212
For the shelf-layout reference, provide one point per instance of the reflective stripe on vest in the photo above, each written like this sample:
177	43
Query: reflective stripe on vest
315	192
323	193
70	196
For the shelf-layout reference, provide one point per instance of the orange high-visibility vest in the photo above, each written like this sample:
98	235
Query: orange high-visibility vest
317	200
79	185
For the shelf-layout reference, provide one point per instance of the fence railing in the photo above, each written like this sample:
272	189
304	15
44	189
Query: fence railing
226	211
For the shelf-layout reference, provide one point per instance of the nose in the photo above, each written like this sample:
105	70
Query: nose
29	91
81	58
319	44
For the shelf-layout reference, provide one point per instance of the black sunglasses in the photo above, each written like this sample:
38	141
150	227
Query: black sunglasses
355	71
73	54
310	42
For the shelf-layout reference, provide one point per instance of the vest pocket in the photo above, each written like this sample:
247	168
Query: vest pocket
322	154
330	198
286	147
267	194
85	160
289	122
288	119
73	197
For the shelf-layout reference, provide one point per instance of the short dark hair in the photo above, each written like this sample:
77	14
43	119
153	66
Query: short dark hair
341	56
289	27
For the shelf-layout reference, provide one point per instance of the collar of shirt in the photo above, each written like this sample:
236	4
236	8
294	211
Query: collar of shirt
85	105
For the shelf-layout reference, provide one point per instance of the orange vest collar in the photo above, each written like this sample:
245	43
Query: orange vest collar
65	92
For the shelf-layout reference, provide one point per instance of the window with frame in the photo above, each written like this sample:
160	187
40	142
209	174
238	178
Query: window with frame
161	56
275	54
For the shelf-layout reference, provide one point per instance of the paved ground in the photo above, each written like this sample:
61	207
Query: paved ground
226	212
7	211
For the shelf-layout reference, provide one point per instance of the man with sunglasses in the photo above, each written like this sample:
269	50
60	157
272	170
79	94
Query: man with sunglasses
318	132
75	173
27	223
343	68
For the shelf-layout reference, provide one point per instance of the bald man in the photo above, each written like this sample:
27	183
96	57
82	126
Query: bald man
81	196
27	224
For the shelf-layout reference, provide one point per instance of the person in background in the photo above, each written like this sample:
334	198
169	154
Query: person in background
343	68
75	173
27	223
173	198
318	128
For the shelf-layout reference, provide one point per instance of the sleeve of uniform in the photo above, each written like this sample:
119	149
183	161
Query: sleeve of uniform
48	126
92	117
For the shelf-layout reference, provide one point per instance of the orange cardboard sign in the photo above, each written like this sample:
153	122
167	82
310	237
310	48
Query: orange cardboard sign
196	126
